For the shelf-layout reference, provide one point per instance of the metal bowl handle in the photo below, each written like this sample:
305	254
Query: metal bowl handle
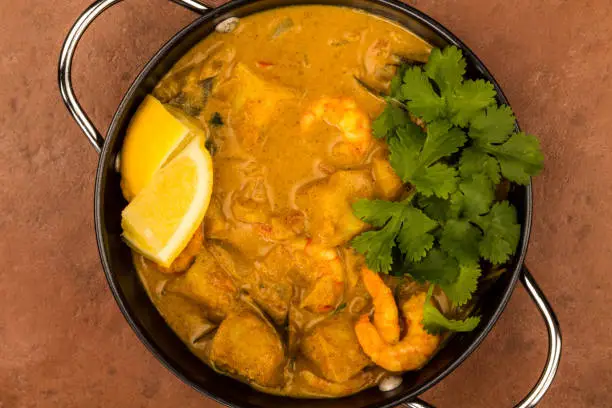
67	54
554	347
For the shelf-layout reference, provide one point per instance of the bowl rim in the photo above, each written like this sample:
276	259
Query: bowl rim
106	157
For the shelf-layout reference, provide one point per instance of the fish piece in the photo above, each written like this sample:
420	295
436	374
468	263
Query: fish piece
327	205
333	347
208	284
247	346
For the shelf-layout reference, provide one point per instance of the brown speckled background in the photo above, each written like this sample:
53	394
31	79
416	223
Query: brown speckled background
63	341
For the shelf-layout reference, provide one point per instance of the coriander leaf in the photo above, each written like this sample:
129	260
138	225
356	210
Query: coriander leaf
396	82
479	194
391	118
216	120
414	165
519	158
414	239
434	207
435	322
377	246
436	267
460	239
460	291
438	95
409	224
446	67
377	212
414	247
442	209
340	308
412	136
439	179
493	125
501	233
403	156
457	202
442	141
421	98
469	99
474	161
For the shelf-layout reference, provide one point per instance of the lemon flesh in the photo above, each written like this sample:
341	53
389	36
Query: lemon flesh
162	218
153	136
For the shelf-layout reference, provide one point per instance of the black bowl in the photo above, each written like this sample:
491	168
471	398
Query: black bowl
148	323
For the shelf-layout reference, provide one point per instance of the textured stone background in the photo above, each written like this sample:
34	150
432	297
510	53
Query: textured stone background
63	341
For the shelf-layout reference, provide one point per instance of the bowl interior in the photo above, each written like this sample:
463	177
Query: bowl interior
147	322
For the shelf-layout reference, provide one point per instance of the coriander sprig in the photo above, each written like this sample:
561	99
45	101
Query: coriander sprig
451	142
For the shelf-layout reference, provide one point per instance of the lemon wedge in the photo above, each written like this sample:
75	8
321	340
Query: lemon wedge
162	218
154	135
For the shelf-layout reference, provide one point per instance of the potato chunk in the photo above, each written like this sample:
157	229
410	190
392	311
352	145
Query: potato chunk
247	346
333	347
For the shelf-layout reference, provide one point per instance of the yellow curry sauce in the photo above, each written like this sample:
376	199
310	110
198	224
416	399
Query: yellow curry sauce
274	292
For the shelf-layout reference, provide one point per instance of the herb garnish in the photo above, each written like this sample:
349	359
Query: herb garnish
216	120
451	220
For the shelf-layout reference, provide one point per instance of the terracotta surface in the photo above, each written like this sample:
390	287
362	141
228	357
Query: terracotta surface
63	341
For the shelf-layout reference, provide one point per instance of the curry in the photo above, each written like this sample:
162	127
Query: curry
269	290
